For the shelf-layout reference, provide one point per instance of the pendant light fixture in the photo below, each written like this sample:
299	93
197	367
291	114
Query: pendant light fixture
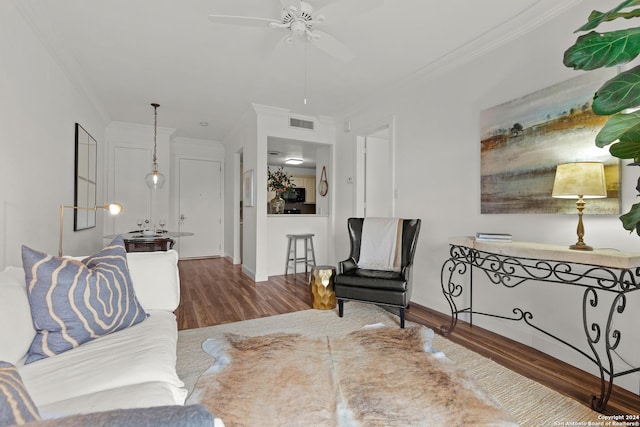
155	179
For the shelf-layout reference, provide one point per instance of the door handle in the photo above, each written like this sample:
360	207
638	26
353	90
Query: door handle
182	218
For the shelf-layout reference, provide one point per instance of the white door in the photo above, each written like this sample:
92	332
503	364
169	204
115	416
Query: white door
200	208
378	178
374	191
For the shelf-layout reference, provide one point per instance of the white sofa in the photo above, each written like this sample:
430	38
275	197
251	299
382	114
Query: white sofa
131	368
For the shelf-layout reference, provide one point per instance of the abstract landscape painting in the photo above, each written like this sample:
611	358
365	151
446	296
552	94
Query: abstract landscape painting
522	142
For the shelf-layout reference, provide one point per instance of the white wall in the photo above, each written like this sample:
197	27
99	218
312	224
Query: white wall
250	137
130	151
241	140
271	122
281	225
129	160
324	155
437	146
39	106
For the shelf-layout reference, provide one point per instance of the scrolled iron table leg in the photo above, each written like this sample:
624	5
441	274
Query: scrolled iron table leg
612	337
451	290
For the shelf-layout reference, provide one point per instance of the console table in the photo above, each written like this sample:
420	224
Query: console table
604	275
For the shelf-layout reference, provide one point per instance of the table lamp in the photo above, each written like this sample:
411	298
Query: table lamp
582	180
113	208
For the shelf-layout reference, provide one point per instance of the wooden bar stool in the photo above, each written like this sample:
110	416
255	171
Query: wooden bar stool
292	252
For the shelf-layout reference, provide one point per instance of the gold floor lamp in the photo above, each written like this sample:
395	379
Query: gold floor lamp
113	208
582	180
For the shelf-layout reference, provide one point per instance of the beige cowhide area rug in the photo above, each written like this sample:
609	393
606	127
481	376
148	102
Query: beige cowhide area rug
530	403
382	376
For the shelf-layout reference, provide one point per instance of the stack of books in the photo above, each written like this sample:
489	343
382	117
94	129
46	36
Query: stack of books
494	237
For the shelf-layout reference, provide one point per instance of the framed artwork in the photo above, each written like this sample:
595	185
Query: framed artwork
85	186
248	188
523	140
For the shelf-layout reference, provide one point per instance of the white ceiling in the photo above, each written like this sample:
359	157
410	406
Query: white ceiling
126	54
279	149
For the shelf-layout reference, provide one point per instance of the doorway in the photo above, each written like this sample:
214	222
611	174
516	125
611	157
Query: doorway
375	181
238	247
200	208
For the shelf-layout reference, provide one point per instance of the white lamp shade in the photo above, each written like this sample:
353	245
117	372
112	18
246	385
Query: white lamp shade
582	179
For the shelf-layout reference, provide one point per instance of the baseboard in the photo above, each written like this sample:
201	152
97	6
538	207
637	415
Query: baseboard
250	273
544	346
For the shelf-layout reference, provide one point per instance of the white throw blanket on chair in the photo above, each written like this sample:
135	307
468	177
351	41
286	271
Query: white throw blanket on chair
381	244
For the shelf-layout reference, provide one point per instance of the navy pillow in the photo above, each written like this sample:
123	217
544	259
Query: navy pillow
16	406
73	301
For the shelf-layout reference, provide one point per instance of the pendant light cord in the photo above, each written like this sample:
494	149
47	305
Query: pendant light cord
155	179
155	134
305	71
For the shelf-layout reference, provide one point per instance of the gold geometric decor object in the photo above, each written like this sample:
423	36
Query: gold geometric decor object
321	282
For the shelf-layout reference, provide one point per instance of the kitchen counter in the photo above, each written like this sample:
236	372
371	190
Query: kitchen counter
308	209
279	226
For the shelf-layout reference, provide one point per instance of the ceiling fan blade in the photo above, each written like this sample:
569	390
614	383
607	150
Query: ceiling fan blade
247	21
279	46
347	9
331	45
286	4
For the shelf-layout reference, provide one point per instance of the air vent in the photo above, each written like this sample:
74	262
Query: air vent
299	123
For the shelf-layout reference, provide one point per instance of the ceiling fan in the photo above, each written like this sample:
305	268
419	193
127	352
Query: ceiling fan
301	20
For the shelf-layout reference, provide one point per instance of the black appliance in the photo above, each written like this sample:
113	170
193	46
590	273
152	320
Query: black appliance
292	211
295	195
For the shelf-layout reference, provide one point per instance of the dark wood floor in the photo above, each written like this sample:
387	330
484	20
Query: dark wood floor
214	291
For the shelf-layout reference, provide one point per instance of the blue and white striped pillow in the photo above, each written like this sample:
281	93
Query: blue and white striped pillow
73	301
16	406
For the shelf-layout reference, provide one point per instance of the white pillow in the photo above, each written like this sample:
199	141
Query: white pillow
16	326
156	279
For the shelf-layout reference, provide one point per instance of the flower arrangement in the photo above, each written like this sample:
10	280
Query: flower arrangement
279	181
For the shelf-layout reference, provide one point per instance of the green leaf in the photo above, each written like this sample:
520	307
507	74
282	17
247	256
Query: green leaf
619	93
596	17
596	50
619	127
631	219
626	149
626	15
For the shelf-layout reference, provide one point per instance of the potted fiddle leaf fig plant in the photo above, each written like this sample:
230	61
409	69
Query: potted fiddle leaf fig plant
619	96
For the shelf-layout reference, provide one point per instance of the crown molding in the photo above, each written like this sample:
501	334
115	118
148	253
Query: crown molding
527	20
117	129
268	109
